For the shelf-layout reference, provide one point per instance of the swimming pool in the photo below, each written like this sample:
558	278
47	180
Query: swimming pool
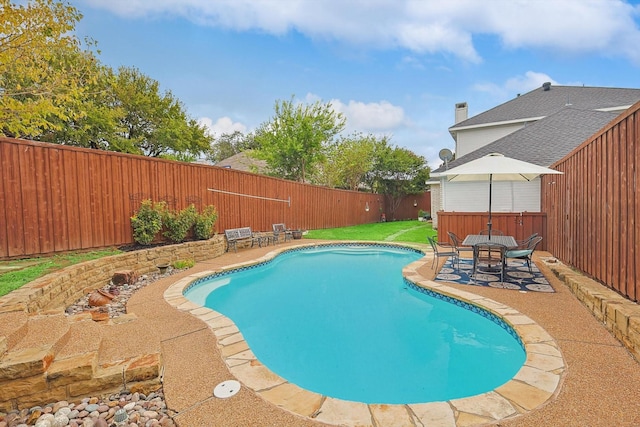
340	320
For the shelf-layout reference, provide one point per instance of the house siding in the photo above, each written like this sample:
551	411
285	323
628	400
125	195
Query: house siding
436	203
469	140
506	196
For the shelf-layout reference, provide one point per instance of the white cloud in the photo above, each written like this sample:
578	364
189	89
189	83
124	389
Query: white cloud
224	125
607	27
374	117
371	117
526	83
518	84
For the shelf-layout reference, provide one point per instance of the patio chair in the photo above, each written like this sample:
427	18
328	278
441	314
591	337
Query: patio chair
526	253
441	249
281	230
494	232
523	244
492	255
457	244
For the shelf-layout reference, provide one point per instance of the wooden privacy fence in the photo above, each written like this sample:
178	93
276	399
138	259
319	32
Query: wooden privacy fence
56	198
594	208
518	224
410	206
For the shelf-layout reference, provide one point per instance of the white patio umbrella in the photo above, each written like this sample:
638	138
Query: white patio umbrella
496	167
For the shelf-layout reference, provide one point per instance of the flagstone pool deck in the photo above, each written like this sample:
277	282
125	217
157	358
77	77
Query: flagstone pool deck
576	374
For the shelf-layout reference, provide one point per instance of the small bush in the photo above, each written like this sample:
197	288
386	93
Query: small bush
147	221
183	263
178	224
204	222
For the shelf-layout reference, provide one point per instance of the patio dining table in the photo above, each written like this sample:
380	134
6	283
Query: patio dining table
473	239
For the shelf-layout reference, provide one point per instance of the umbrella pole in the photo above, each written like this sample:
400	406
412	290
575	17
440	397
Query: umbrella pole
489	225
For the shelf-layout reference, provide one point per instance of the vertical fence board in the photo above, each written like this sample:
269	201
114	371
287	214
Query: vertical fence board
636	206
84	195
4	189
630	160
13	201
29	202
59	208
622	225
44	200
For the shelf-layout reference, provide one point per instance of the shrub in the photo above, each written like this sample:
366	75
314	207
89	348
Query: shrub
204	222
178	224
147	221
183	263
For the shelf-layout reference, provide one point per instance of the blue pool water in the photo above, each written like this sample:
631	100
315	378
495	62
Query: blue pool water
341	321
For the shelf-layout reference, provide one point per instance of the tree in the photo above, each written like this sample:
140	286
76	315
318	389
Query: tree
294	141
229	144
398	172
98	124
155	124
349	161
38	76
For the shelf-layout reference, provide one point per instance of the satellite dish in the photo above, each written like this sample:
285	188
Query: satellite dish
445	155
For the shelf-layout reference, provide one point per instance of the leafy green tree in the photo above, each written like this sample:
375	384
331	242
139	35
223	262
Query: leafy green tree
397	173
39	76
229	144
349	161
98	124
155	124
293	142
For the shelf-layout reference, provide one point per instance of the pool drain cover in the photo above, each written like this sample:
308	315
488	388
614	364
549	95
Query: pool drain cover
226	389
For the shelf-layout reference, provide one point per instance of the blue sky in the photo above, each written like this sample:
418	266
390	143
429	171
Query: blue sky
392	67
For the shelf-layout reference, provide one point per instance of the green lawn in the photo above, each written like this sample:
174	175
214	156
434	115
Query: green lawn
14	274
396	231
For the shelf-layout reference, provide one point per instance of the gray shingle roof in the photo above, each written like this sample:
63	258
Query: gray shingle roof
545	141
243	162
541	103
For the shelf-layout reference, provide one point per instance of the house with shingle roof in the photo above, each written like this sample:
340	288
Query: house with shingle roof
244	162
539	127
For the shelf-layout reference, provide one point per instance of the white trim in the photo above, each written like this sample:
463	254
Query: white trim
621	108
491	124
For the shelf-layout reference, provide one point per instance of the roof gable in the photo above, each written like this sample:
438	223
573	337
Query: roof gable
545	141
541	103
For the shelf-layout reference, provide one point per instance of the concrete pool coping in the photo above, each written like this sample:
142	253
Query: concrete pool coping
537	382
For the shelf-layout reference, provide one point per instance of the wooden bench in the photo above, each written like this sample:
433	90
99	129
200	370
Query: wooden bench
240	235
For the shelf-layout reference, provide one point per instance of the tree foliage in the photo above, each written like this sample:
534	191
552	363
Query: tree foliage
98	124
294	141
349	161
39	77
154	123
52	90
398	172
229	144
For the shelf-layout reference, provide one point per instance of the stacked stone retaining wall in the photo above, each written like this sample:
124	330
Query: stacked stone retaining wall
619	314
55	291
